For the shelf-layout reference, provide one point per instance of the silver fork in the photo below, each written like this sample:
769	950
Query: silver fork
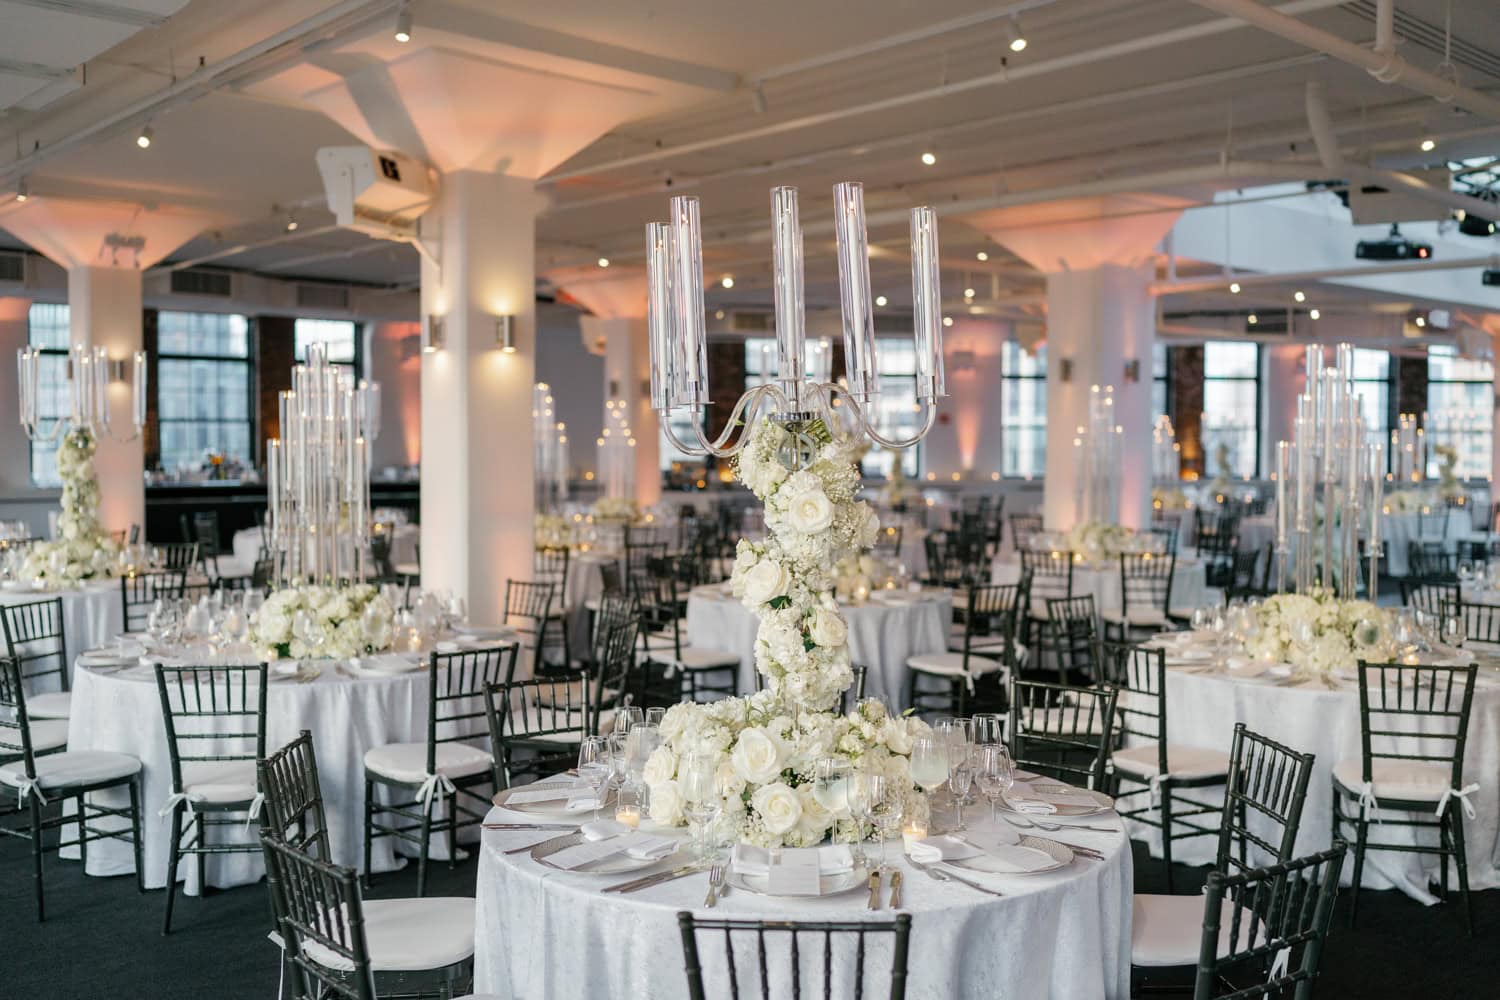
1055	827
715	882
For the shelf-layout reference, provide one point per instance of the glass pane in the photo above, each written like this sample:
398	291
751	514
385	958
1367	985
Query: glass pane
47	326
1229	423
336	334
1222	359
1023	399
222	335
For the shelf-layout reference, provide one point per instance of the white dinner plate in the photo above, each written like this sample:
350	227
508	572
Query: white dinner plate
1059	854
828	885
1105	803
552	809
616	864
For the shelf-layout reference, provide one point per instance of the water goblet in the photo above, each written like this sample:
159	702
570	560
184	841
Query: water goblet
960	780
929	763
593	767
995	774
887	806
697	777
655	715
989	727
831	787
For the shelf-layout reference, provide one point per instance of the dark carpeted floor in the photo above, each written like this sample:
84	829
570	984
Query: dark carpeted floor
102	940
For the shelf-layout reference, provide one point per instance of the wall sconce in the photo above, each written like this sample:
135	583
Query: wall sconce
1133	370
505	333
434	337
1065	369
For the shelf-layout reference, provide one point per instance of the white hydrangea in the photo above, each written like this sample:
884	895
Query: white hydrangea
354	620
82	551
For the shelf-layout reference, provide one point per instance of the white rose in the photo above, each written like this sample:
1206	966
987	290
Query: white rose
666	803
271	625
660	766
828	629
730	785
756	756
766	581
778	806
815	819
810	511
896	736
869	528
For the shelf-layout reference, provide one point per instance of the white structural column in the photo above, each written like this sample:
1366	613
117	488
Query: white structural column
476	398
627	374
1099	259
104	310
1098	322
15	475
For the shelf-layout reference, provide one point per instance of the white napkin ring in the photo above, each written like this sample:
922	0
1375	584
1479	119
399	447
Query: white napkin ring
1462	794
430	785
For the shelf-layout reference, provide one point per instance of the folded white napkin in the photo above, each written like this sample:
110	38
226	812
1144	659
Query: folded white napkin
931	850
641	846
833	859
1025	798
603	829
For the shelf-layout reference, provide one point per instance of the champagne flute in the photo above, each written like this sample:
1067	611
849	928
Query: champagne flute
996	774
593	767
696	774
960	780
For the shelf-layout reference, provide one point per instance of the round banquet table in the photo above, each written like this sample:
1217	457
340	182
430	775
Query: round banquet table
883	634
92	615
1202	709
347	712
1189	585
542	933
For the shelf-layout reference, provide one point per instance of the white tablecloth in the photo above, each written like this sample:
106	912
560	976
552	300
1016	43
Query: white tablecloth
541	933
882	636
1189	589
346	714
92	616
1202	709
246	547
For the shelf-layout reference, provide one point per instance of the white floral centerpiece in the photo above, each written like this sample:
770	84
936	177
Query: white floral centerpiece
82	551
771	740
1318	633
1448	484
1409	501
1099	541
1169	498
552	531
622	509
351	620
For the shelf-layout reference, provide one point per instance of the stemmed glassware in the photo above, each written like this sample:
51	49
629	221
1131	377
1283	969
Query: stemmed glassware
628	717
929	764
995	774
594	768
886	805
831	781
697	776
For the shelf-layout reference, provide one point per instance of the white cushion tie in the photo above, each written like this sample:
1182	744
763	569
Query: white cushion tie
255	807
33	786
172	800
1462	794
1279	964
1369	804
430	784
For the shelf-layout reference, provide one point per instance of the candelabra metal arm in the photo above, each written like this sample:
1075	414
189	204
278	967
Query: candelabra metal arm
747	406
59	426
829	390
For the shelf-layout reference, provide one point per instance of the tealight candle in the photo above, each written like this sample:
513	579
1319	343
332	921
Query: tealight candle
629	814
912	832
1410	659
861	594
414	640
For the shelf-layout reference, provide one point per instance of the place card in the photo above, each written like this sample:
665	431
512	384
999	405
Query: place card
794	872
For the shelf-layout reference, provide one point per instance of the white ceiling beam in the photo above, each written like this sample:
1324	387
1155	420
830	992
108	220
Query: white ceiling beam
1219	282
95	11
34	71
474	24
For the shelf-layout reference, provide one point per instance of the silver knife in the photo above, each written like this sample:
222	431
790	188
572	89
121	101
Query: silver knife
529	826
657	879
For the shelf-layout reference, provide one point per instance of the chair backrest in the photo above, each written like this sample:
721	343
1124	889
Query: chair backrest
1480	623
614	666
1431	561
1430	595
1166	538
206	532
1072	627
610	580
178	555
825	958
1051	573
638	554
1241	581
1064	732
456	711
529	717
992	613
1022	527
1415	714
380	552
139	592
1252	918
212	713
36	638
293	808
1139	675
15	727
855	691
1146	580
1263	800
549	564
528	605
319	904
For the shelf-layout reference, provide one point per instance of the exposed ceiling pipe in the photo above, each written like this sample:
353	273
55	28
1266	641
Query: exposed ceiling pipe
359	12
1011	74
1389	68
1385	37
1220	281
1321	124
239	248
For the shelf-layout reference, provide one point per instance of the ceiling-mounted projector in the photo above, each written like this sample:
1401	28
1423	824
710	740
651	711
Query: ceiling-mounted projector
1491	277
373	191
1393	247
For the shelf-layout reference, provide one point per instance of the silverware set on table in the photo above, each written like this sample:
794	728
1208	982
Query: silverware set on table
895	880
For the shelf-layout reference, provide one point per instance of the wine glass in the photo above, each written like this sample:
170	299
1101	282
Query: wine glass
640	743
887	805
697	777
1202	618
929	763
593	767
617	751
655	716
831	786
989	727
995	774
860	790
960	780
628	717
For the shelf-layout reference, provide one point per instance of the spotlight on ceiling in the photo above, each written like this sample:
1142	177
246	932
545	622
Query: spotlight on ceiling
947	320
403	24
23	189
968	293
1252	319
1393	247
981	255
1013	34
758	102
929	158
1477	225
603	261
1234	288
144	139
1314	314
880	300
727	281
1299	296
1428	145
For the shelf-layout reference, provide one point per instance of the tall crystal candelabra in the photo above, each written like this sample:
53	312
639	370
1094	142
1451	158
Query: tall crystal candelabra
89	375
551	450
679	344
1329	482
1097	446
1166	453
318	475
617	451
1409	448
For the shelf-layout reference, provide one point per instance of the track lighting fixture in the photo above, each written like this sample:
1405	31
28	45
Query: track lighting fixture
1013	34
144	139
403	24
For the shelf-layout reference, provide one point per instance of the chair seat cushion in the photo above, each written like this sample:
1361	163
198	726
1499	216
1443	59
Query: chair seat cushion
50	705
952	664
1405	780
410	935
1168	930
1182	761
408	761
695	658
219	780
66	769
407	569
48	734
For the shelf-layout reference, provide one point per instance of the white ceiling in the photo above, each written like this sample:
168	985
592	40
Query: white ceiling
1064	111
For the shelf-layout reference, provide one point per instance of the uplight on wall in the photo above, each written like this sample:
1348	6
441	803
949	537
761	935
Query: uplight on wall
505	334
434	337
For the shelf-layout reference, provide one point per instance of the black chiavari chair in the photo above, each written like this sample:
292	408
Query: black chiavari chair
1431	561
528	611
1413	729
701	670
139	593
549	564
1429	596
1022	528
449	763
1060	731
178	555
1217	536
988	647
744	959
537	724
1478	624
1068	638
43	774
36	639
1145	595
215	720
